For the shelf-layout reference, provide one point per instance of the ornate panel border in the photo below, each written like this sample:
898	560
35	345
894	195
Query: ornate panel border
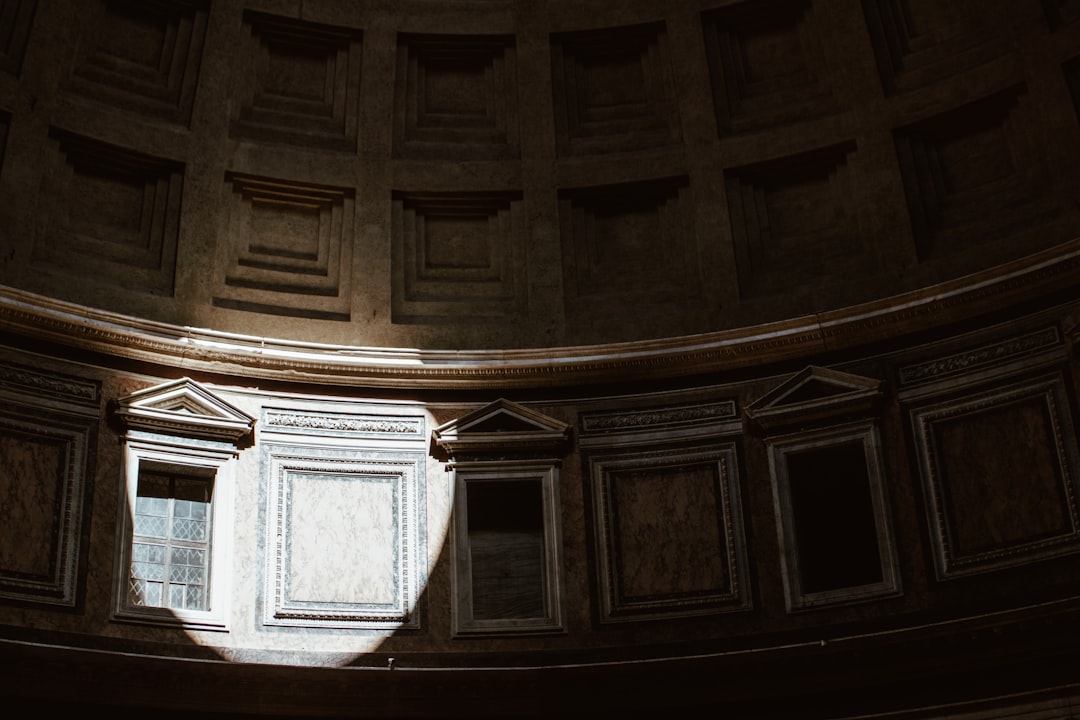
404	474
61	411
733	595
1051	391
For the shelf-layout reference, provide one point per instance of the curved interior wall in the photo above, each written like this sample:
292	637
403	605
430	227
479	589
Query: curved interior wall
504	175
681	254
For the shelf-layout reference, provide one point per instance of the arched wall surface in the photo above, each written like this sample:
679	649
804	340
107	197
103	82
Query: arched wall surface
492	174
682	249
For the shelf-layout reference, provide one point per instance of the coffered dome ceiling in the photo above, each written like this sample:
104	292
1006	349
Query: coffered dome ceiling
506	175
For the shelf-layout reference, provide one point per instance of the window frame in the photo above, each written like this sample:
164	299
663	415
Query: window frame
217	465
547	473
866	433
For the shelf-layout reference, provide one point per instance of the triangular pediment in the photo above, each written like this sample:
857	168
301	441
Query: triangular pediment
501	427
183	407
814	394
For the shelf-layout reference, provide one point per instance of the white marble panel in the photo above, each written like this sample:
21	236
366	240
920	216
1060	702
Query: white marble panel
342	545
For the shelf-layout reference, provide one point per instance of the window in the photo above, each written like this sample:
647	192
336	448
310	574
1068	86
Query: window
181	445
170	548
506	548
829	488
507	553
835	530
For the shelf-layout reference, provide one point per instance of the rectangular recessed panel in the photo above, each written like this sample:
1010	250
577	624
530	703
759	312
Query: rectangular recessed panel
668	528
142	57
613	91
32	479
297	83
1001	477
342	539
345	536
118	215
767	65
456	97
999	471
669	534
835	531
506	549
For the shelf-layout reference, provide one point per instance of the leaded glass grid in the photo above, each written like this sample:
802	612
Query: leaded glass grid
170	551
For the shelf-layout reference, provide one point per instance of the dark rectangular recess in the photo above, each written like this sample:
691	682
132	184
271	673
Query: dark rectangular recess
506	547
833	513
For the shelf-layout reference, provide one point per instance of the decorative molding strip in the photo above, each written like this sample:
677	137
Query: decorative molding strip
660	418
38	382
976	358
197	349
322	423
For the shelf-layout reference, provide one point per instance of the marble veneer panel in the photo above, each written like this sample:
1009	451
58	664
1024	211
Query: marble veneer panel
16	17
458	257
669	536
345	523
627	245
767	65
918	42
48	429
795	219
613	90
290	248
972	176
298	84
143	56
999	465
115	216
456	97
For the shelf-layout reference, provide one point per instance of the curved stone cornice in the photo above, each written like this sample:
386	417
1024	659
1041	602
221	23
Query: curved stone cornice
206	350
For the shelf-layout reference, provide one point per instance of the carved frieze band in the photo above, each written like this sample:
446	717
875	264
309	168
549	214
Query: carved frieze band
659	418
35	382
980	357
323	423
